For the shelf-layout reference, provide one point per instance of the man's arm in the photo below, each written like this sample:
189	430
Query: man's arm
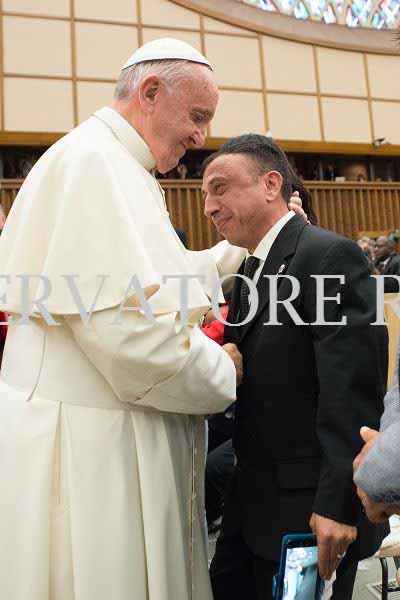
351	365
377	468
378	474
166	366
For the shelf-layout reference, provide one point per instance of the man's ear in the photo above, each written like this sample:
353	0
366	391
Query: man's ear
149	92
273	185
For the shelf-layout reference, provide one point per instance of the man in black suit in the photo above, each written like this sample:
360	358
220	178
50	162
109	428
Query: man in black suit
387	262
307	388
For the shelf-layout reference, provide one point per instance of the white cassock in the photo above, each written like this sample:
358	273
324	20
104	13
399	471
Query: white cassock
101	451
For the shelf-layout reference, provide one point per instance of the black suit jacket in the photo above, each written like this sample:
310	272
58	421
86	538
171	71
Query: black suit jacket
307	390
392	268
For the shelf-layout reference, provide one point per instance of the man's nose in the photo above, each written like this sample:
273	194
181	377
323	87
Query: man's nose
199	137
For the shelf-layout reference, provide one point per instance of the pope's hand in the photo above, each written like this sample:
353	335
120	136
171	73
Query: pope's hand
236	356
295	204
333	539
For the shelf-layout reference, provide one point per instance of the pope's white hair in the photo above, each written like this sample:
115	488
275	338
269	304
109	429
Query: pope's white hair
171	73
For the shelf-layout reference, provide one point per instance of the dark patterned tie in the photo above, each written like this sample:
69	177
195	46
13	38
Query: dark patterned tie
250	267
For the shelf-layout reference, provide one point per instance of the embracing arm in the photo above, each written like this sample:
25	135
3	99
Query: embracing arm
164	365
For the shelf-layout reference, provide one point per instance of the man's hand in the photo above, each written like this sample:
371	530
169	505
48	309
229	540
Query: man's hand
296	204
333	539
236	356
369	436
377	512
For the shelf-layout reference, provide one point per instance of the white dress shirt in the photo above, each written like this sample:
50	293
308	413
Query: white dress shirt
267	242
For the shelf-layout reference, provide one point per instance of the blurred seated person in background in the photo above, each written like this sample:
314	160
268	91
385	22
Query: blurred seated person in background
367	243
370	261
330	173
387	262
182	171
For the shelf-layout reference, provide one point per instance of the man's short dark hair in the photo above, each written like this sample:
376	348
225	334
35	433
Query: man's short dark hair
390	244
266	153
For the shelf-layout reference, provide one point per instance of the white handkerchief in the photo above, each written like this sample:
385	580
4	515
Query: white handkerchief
328	590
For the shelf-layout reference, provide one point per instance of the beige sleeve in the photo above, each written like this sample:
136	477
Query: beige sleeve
163	365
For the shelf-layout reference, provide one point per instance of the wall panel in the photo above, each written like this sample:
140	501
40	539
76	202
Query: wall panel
384	76
289	66
294	117
242	68
163	13
238	113
214	25
117	10
55	8
92	96
346	120
190	37
102	50
37	46
387	121
49	107
341	72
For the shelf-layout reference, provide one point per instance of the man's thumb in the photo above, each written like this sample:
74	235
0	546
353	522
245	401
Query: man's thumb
367	434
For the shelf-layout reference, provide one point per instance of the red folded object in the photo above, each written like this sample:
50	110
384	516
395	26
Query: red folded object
3	328
215	329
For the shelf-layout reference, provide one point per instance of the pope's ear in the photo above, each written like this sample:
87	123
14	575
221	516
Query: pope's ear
149	91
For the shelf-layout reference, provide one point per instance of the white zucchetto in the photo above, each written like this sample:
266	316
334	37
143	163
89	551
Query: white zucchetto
166	49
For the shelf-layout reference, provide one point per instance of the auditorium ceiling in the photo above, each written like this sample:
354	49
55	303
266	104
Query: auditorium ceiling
379	14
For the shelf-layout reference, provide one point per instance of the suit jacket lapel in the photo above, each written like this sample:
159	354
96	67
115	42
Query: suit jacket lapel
282	249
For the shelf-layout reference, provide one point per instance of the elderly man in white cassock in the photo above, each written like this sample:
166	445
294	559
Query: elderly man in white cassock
102	385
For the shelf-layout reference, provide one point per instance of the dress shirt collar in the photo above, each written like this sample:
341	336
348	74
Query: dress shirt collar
384	263
128	136
266	243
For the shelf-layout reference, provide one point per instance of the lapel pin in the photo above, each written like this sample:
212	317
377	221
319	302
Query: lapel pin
281	269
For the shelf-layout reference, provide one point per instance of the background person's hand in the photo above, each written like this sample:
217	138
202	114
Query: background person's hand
369	436
295	204
236	356
333	539
377	512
